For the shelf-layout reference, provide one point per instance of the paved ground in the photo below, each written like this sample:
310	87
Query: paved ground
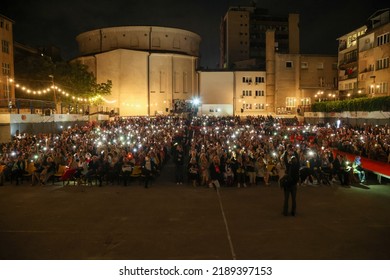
169	221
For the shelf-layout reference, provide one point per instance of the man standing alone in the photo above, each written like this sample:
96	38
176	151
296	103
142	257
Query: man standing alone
290	187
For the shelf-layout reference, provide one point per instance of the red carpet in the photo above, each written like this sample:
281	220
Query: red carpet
368	164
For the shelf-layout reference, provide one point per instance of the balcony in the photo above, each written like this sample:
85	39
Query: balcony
349	76
345	63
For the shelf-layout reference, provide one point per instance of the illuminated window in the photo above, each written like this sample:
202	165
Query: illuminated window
291	101
306	101
383	87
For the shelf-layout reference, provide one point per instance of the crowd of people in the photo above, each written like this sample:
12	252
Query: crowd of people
206	151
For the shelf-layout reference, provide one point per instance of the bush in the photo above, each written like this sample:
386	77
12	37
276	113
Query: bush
357	104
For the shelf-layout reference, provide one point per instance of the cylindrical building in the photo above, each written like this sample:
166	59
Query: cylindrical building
152	69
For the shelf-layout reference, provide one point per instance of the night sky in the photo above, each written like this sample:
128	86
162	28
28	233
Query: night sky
42	22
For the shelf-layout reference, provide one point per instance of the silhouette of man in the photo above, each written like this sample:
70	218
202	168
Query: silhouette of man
290	188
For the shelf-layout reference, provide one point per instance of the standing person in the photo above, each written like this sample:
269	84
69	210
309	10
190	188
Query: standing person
290	187
215	173
18	169
337	168
178	158
346	171
240	172
204	169
193	171
148	169
250	169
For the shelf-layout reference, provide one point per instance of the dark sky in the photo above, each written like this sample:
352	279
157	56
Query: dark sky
42	22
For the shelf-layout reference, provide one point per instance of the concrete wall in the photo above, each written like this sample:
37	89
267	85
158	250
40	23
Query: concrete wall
352	118
34	124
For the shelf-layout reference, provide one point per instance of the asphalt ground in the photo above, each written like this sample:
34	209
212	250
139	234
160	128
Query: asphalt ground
169	222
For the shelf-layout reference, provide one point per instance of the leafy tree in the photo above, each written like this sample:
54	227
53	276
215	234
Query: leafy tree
39	72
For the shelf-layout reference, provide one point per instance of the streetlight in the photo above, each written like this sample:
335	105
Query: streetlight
319	95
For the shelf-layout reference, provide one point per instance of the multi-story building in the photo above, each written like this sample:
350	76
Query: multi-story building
295	81
7	92
233	92
374	54
152	69
348	63
363	58
243	36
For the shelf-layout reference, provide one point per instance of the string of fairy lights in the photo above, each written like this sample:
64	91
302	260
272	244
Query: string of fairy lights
59	90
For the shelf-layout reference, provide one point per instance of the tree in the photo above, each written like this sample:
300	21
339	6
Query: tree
73	79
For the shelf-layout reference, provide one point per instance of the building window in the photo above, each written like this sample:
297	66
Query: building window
383	87
320	65
247	106
6	90
304	65
6	69
259	106
291	102
305	101
321	81
259	93
5	46
289	64
382	63
246	93
185	82
259	80
247	80
383	39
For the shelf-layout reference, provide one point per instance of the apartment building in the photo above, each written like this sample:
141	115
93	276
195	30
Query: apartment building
243	36
7	92
363	58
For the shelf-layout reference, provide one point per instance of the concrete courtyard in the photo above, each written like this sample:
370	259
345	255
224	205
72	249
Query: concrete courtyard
169	221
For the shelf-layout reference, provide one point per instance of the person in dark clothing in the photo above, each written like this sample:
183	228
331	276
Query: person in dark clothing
18	170
290	187
216	175
94	166
178	158
337	169
148	169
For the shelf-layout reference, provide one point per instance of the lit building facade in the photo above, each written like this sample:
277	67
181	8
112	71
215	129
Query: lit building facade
152	69
364	68
243	36
374	54
7	91
294	81
233	93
